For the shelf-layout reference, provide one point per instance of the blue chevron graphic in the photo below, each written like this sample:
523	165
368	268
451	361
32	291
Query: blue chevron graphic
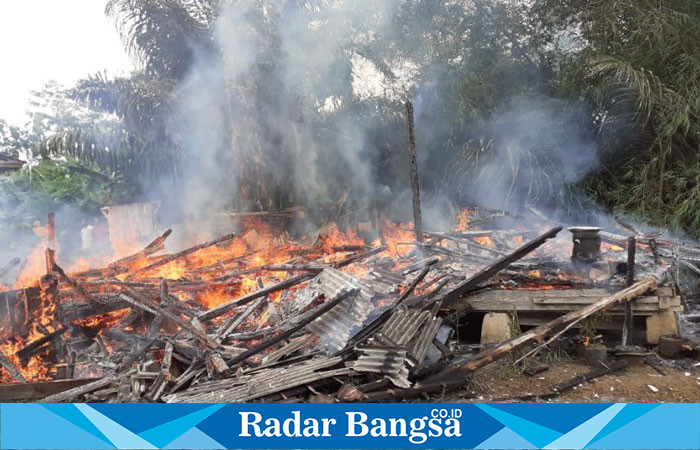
629	413
530	431
582	435
561	417
505	439
117	434
71	413
195	438
149	414
166	433
669	426
56	432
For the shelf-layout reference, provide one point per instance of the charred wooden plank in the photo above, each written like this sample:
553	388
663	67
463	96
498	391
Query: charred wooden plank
10	367
489	271
414	392
155	246
595	373
186	252
216	365
221	309
628	325
359	257
84	389
161	381
29	349
313	315
33	391
82	293
78	310
233	322
147	305
413	285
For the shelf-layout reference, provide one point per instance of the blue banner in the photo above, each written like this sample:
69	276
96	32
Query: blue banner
358	426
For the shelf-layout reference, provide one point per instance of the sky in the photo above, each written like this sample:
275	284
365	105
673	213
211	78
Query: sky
59	40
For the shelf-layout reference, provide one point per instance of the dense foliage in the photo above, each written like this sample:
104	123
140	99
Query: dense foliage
568	105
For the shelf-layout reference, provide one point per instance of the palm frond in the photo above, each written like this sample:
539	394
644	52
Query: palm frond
163	36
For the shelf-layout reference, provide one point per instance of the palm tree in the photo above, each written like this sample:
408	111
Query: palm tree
639	67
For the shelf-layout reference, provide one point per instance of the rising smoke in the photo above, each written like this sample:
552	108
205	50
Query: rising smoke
267	122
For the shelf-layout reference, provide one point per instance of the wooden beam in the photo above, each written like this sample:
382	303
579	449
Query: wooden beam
560	301
33	391
471	283
539	334
221	309
415	184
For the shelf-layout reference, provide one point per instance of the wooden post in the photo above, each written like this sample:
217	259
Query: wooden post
50	242
415	185
628	326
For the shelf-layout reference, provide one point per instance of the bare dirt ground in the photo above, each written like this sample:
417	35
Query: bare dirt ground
499	383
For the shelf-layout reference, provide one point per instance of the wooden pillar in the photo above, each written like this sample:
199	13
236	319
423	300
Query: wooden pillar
415	185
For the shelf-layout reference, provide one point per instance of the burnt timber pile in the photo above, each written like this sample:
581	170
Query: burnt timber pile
259	316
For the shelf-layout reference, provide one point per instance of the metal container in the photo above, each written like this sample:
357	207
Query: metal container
670	345
595	354
586	244
633	354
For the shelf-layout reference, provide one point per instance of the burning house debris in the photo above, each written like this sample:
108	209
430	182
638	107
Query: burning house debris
327	317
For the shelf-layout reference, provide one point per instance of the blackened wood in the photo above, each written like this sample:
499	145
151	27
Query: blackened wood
318	312
629	319
374	385
33	391
84	389
359	257
140	349
141	302
50	259
569	384
415	184
654	250
631	251
31	348
446	352
164	294
11	368
50	253
187	376
233	322
221	309
413	285
414	392
155	246
161	380
78	310
595	373
186	252
82	293
489	271
216	365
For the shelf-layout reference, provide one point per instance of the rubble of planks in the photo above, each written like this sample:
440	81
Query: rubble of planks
339	323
